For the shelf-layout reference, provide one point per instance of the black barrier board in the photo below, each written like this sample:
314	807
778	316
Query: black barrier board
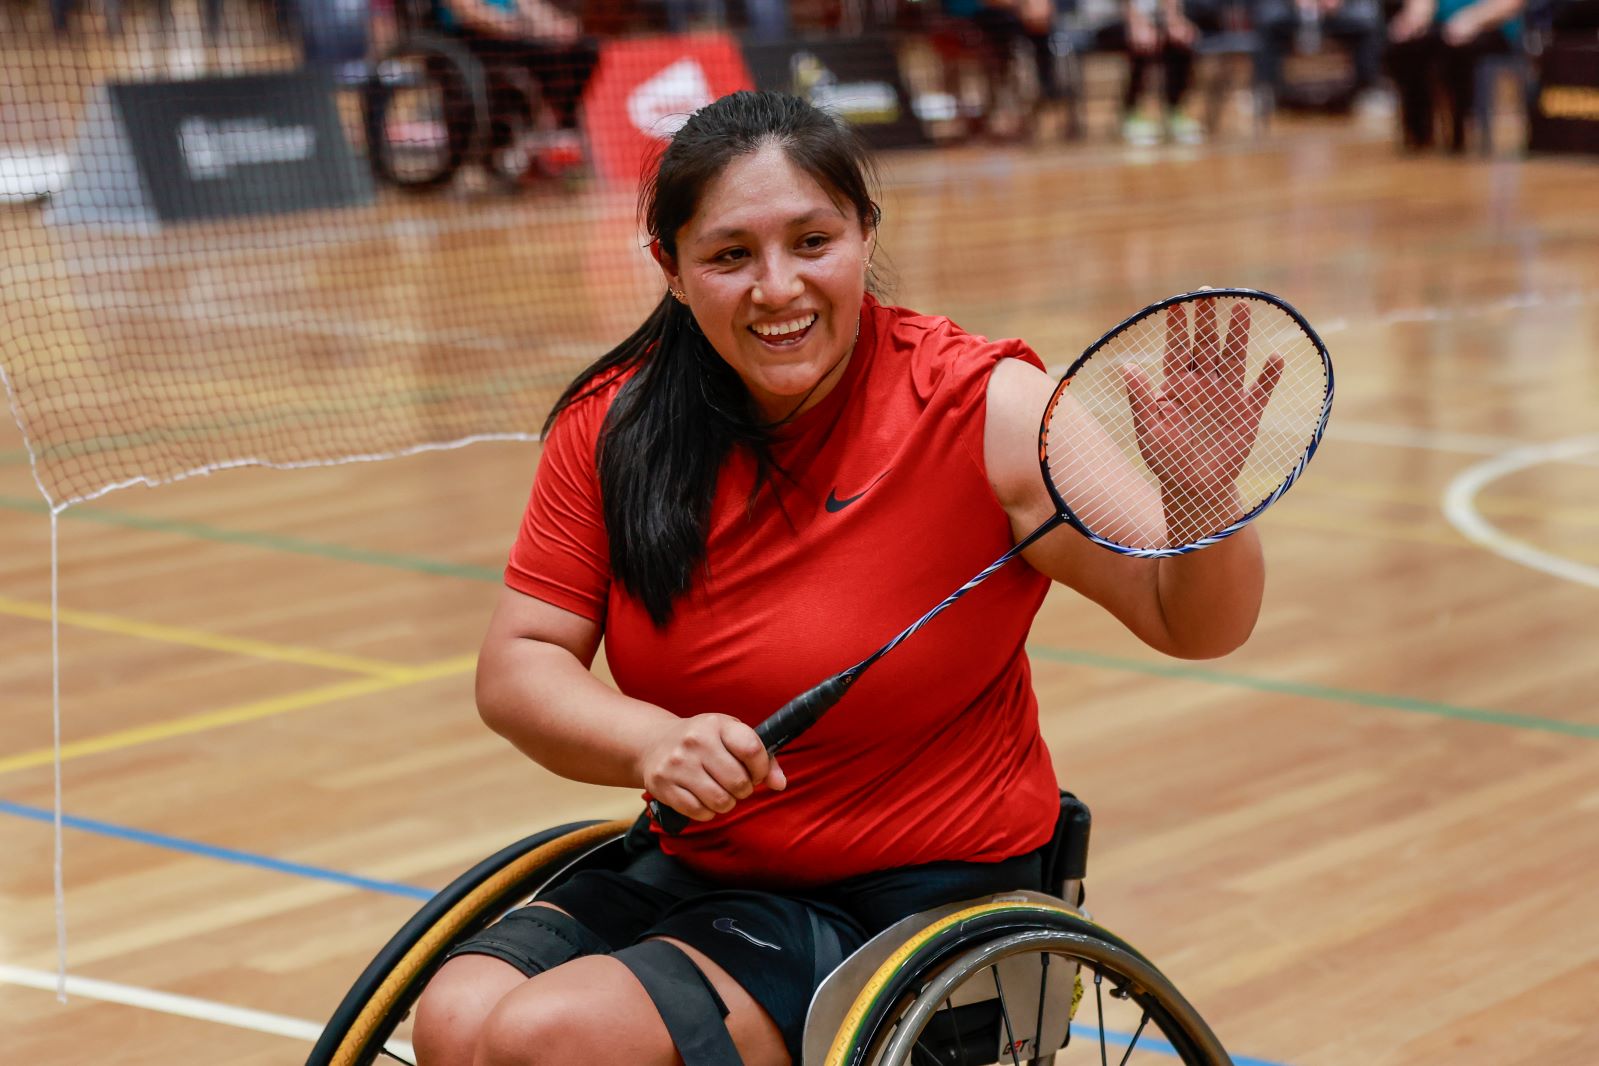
211	148
1565	109
856	78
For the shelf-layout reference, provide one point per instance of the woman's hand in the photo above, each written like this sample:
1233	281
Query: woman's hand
1196	432
702	766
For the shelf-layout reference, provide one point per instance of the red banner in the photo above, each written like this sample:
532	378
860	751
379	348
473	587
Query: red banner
645	88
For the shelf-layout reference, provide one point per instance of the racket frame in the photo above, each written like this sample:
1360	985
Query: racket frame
1064	511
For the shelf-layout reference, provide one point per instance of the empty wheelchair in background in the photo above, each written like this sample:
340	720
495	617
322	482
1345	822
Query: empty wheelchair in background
430	106
1020	977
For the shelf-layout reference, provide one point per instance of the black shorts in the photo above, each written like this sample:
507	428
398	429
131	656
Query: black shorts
777	947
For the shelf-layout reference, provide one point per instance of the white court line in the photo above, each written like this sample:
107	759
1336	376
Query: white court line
183	1006
1446	441
1461	510
1516	301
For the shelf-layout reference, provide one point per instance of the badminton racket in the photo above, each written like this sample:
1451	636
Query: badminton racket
1170	433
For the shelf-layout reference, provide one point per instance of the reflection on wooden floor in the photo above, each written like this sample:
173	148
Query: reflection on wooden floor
1367	838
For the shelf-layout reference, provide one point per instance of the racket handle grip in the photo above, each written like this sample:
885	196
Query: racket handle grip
670	821
801	712
784	724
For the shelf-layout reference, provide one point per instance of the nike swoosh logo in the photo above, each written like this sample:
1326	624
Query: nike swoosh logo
835	505
726	925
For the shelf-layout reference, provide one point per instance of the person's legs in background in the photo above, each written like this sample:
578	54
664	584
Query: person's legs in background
1001	30
563	71
1412	65
1136	127
1275	21
1459	77
1178	60
1358	25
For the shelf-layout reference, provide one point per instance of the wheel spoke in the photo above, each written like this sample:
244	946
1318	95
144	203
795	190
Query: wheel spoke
1099	1002
1134	1041
960	1045
1004	1012
1043	993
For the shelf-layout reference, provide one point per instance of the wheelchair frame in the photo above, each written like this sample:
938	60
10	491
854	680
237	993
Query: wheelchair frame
420	38
874	1008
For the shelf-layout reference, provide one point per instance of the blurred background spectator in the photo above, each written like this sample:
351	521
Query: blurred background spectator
1159	35
1434	48
1287	27
534	52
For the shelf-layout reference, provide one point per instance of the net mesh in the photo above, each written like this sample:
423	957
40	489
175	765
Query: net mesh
300	234
1186	421
306	232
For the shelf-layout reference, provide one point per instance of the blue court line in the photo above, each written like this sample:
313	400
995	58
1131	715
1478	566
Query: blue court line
320	873
211	851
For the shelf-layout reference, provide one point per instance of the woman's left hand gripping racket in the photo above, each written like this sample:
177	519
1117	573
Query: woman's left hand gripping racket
1173	431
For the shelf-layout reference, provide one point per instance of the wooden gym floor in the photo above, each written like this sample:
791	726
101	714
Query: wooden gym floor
1370	837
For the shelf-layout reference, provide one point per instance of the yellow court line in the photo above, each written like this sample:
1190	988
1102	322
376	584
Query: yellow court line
198	638
244	712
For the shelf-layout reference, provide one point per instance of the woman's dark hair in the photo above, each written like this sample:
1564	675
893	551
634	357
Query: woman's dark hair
674	422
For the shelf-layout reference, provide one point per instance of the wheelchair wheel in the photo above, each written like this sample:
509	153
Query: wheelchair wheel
384	994
426	108
1019	981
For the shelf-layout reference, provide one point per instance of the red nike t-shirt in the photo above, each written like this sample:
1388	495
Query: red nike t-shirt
935	753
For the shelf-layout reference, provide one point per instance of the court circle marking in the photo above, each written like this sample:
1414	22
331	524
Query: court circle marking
1459	505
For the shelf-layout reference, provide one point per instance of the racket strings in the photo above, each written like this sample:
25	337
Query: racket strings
1208	455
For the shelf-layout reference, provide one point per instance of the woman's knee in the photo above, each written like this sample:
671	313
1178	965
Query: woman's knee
559	1020
455	1005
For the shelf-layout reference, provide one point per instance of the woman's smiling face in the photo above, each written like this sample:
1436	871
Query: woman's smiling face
774	270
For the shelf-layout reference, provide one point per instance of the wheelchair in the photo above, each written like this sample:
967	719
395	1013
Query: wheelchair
1019	977
430	105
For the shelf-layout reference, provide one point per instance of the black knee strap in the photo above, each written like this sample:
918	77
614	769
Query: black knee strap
695	1016
533	939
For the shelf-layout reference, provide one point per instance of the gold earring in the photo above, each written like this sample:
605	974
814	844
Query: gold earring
679	295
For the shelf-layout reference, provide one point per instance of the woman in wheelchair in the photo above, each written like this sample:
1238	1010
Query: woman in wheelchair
755	488
525	39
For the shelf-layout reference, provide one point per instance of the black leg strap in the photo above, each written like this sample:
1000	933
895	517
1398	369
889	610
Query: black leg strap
533	939
695	1016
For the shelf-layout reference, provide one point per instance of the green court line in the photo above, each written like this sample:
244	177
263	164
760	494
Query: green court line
1181	672
270	541
1173	670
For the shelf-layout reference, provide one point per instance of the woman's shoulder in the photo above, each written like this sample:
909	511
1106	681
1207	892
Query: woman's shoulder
938	351
584	412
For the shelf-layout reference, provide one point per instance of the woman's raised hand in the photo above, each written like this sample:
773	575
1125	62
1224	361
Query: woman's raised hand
1197	428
